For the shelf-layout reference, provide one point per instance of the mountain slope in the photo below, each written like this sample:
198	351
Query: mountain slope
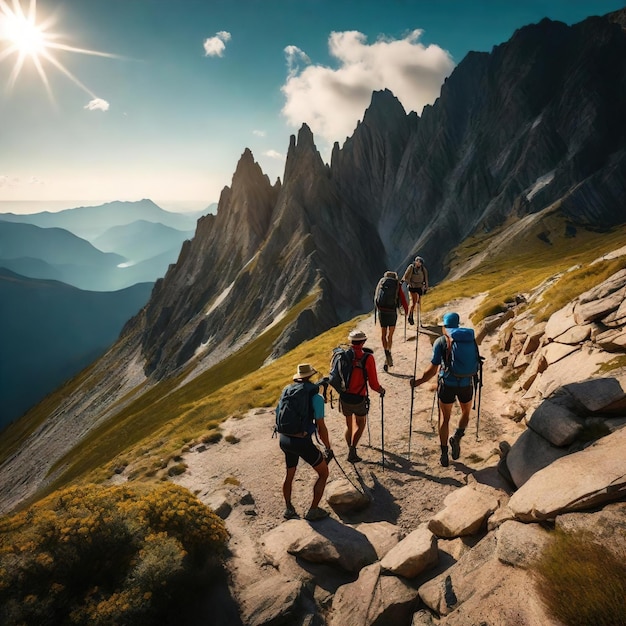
47	322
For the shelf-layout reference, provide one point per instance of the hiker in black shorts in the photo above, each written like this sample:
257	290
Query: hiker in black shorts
387	298
301	446
416	277
450	388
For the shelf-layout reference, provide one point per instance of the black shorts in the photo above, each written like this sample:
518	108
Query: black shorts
296	448
387	318
418	290
354	406
447	393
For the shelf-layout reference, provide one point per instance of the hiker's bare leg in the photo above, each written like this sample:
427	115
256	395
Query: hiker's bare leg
383	337
444	428
466	408
414	299
390	332
360	427
320	483
291	472
349	430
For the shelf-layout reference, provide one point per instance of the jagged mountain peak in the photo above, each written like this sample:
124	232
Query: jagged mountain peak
384	106
302	155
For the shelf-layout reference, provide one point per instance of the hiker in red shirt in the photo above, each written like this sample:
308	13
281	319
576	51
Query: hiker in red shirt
354	402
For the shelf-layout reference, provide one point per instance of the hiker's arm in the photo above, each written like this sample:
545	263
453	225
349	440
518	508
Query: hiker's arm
372	376
407	274
322	431
429	372
425	277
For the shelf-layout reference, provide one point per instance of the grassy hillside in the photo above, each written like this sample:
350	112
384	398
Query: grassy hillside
148	435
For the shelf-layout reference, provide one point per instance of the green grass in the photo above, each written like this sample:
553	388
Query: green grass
582	582
526	263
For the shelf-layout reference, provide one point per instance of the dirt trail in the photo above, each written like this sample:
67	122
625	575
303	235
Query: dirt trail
405	492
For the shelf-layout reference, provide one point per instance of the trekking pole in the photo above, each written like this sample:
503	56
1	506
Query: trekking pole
414	375
382	430
480	387
369	436
432	409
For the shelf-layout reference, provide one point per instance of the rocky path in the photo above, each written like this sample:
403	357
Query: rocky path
406	491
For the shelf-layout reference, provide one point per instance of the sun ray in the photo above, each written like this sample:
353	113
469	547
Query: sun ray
31	40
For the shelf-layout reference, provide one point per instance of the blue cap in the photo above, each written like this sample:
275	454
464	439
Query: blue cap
451	320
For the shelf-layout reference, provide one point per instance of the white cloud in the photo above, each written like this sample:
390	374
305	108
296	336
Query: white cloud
259	133
215	46
331	101
97	104
273	154
16	182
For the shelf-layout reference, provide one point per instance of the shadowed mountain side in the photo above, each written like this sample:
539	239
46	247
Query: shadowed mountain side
50	331
537	121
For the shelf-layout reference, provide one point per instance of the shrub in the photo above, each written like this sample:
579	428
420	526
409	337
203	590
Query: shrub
117	555
582	582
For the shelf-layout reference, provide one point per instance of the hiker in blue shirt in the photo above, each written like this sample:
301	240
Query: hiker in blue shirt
301	445
451	386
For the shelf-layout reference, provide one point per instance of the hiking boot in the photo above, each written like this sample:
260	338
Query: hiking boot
455	445
353	457
411	320
290	513
316	514
443	459
388	358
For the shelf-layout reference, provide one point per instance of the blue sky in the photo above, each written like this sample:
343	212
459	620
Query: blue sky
180	88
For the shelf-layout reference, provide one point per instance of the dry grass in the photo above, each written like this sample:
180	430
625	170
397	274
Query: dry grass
582	582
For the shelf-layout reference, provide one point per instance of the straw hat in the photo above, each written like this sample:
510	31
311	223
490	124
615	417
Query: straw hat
357	336
304	371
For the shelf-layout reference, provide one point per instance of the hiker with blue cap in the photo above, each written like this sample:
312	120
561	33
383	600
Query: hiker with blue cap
455	356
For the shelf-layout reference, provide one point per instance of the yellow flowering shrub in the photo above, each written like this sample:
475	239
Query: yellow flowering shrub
94	555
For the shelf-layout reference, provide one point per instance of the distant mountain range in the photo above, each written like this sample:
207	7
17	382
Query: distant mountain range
92	221
100	248
64	298
49	331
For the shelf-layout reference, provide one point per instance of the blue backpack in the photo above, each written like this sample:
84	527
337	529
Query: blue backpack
462	358
294	413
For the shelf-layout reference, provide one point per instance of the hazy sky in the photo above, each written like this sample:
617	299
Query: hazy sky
179	88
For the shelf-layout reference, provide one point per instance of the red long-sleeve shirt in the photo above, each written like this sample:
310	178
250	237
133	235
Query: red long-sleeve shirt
356	385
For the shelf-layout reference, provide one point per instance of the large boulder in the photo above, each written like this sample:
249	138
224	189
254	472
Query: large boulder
465	512
575	482
374	599
328	541
416	553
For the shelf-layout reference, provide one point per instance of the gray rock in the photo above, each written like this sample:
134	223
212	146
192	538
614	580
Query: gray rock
343	496
374	599
606	526
560	322
600	395
520	544
575	482
382	535
326	541
465	512
273	600
575	335
612	340
556	423
416	553
554	352
529	454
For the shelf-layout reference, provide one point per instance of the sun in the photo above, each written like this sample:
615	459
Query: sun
30	40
